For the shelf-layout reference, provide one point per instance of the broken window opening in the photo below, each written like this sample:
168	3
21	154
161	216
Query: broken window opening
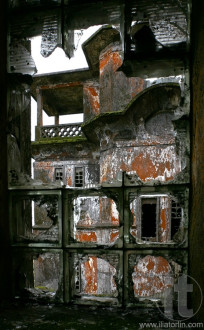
79	177
95	220
46	273
36	219
149	218
156	219
59	175
95	279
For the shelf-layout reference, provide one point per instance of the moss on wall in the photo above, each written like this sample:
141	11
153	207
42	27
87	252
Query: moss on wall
59	140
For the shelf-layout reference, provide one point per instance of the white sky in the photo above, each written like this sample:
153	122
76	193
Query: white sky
57	62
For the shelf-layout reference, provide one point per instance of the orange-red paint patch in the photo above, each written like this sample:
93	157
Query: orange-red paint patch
93	98
163	219
114	219
69	181
114	236
86	236
151	276
90	268
112	59
145	167
92	91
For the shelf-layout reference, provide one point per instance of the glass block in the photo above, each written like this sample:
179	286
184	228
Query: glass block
38	274
36	218
95	277
155	218
150	276
95	220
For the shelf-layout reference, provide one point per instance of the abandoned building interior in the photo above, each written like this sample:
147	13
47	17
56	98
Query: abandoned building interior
112	214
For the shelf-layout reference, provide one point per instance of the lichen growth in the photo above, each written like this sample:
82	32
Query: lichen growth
100	116
97	119
59	140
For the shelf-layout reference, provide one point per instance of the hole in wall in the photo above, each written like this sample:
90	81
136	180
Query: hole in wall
58	61
149	206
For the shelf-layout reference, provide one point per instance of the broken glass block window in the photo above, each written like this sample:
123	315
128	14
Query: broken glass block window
38	272
95	277
156	218
151	276
46	268
95	220
36	218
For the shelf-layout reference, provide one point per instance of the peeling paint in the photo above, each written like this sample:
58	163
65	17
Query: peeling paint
98	277
151	276
98	213
116	90
91	101
110	57
86	236
149	164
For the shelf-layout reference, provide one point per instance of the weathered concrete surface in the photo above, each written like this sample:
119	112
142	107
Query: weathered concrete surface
45	171
197	204
19	121
116	90
151	277
152	274
143	141
149	164
46	270
75	148
96	277
95	220
96	43
91	99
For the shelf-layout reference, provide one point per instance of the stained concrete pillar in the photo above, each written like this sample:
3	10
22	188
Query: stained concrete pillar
39	114
56	120
39	108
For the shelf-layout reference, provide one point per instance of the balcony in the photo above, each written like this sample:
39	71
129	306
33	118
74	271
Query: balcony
58	131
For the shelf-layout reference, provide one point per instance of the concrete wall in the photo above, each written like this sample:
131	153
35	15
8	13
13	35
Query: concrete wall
197	206
144	142
116	90
45	171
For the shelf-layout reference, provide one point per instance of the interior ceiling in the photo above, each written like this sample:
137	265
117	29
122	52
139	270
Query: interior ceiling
62	93
64	100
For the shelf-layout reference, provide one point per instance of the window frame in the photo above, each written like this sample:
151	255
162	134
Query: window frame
83	177
62	171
